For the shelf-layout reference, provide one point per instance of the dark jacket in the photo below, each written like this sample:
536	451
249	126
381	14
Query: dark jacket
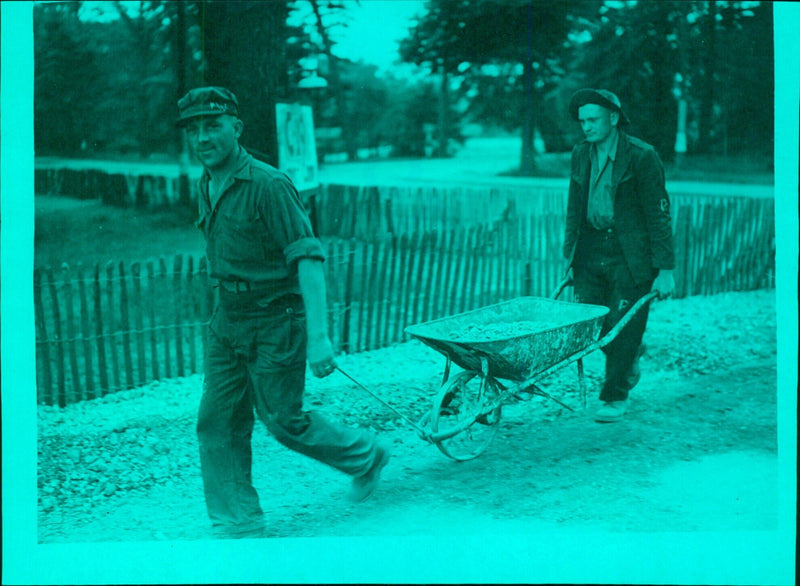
642	218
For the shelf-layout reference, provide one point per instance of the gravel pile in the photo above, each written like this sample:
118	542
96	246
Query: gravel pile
129	442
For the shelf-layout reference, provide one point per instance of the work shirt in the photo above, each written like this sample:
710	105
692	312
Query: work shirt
256	229
642	218
600	209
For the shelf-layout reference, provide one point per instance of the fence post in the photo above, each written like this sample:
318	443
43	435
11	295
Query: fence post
207	298
177	270
113	331
428	291
136	271
416	293
86	334
151	289
412	244
381	297
392	250
440	239
457	247
487	265
162	266
362	296
402	287
469	269
553	253
192	304
45	385
61	396
348	295
100	339
769	217
370	295
683	249
126	326
509	258
71	341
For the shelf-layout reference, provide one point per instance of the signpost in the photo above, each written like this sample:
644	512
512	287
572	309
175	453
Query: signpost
297	151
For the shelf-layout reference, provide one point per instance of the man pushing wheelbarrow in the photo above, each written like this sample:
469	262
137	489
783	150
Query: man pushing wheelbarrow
618	237
619	252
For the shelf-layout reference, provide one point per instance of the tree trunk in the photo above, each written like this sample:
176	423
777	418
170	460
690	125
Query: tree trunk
444	106
707	92
348	132
527	165
250	61
184	189
180	70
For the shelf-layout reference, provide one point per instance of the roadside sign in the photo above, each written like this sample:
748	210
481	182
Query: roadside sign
297	151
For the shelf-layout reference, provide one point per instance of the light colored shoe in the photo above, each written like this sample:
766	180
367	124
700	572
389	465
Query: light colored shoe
611	411
364	486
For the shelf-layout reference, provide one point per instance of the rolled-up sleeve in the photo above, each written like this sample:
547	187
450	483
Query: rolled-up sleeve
304	248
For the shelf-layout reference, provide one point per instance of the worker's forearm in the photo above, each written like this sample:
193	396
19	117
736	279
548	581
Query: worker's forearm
312	288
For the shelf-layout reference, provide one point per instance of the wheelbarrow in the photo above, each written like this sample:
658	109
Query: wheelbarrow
504	349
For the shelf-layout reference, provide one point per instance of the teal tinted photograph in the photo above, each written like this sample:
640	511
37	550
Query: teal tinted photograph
403	291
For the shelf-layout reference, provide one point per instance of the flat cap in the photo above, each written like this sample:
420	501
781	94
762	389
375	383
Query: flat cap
603	98
207	101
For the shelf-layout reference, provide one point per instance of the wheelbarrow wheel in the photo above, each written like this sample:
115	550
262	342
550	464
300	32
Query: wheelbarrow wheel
466	396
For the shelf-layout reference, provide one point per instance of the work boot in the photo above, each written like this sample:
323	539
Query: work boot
252	530
365	485
635	373
611	411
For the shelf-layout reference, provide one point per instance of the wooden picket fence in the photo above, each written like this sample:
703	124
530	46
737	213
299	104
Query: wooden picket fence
116	327
104	329
376	289
723	244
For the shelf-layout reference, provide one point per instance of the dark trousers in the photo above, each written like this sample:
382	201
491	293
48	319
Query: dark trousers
255	359
601	277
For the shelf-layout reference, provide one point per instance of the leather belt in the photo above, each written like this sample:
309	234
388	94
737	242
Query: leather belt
240	286
604	234
592	230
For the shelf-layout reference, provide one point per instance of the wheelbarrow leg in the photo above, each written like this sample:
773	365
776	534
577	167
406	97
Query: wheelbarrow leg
582	381
446	374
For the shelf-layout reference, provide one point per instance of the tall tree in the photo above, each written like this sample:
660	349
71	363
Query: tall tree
745	92
706	83
328	14
715	55
66	89
154	76
632	53
474	38
244	47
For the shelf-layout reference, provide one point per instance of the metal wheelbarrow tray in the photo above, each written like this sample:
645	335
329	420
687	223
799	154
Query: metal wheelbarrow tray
517	338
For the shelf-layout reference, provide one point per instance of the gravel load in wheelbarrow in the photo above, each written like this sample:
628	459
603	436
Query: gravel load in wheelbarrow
518	338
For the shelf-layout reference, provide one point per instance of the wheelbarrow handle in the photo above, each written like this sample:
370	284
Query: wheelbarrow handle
566	282
609	337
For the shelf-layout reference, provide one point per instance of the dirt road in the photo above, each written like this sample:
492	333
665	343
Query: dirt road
697	451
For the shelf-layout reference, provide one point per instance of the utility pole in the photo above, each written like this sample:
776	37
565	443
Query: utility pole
444	106
681	91
183	151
